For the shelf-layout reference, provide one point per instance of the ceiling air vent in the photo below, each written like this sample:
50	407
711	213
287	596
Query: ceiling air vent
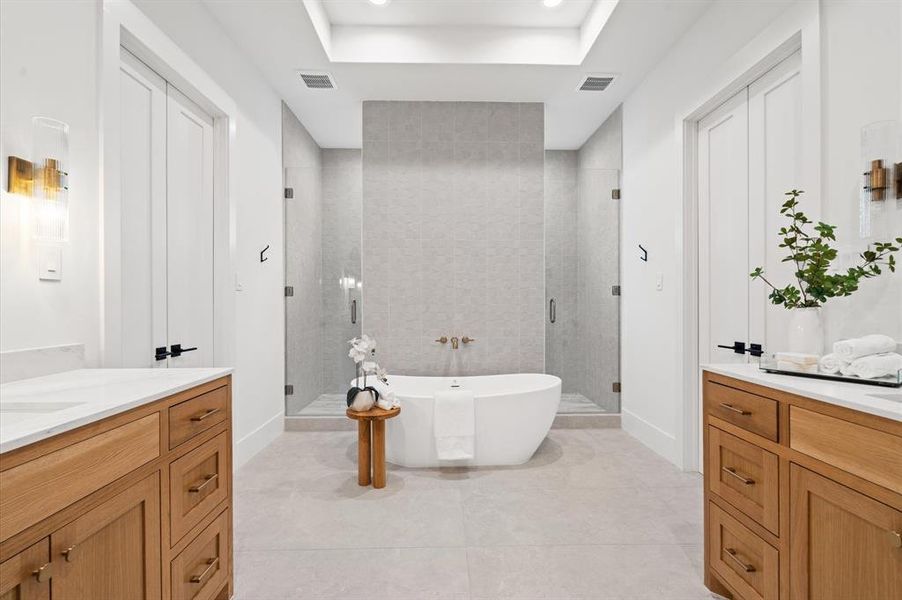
595	83
317	80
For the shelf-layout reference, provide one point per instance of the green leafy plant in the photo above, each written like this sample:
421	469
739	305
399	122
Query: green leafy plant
813	257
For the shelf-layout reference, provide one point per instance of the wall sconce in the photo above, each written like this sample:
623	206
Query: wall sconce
45	180
875	180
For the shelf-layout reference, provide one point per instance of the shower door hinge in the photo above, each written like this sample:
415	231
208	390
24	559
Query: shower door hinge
615	290
289	389
615	194
289	291
616	387
289	193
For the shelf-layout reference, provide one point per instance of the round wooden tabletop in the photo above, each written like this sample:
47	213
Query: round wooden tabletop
374	414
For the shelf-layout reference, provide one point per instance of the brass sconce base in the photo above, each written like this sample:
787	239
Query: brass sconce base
20	176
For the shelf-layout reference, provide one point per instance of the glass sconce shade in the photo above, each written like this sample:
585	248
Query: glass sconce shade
51	186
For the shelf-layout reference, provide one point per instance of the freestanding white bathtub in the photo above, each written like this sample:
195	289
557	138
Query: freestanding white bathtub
513	416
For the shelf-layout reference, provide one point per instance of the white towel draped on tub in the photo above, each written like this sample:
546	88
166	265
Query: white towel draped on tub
849	350
454	424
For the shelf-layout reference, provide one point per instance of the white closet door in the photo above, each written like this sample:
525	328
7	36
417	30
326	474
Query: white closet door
775	167
723	230
142	161
189	221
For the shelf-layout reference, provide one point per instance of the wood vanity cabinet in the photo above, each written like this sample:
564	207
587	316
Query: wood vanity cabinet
135	506
803	499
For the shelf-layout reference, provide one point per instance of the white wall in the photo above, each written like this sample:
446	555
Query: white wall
862	81
851	71
711	55
256	158
48	67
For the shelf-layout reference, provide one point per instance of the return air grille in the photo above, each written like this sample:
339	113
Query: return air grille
318	81
595	83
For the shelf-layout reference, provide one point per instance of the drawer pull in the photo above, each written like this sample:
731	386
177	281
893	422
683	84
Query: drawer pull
68	553
738	411
43	573
212	563
742	478
735	556
194	489
895	539
210	412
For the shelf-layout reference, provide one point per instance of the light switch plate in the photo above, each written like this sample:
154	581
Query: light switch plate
50	263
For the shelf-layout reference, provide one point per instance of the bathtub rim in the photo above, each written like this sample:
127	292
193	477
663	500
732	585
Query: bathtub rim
553	379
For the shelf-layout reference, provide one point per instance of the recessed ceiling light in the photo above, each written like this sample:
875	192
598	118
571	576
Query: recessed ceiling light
547	3
383	2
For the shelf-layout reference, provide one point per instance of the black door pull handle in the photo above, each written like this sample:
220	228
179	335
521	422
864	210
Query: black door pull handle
160	353
737	347
177	350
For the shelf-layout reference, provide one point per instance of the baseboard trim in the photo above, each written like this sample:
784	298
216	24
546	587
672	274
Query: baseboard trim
257	440
652	436
589	421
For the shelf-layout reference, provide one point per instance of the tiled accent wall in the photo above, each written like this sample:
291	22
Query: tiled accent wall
597	356
453	235
342	183
302	160
561	267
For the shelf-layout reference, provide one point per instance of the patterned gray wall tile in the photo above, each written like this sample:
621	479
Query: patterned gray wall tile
453	208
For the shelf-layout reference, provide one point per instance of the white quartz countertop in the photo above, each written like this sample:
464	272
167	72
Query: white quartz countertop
872	399
35	409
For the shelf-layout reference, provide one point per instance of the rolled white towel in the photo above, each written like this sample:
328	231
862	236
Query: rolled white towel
854	348
832	364
880	365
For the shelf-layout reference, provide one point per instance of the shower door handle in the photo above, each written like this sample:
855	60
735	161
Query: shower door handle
353	312
552	310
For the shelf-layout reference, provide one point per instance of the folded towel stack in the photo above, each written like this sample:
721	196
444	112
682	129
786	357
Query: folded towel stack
867	357
796	361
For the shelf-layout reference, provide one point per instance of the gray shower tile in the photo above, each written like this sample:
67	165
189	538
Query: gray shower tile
503	122
471	121
405	121
375	121
438	121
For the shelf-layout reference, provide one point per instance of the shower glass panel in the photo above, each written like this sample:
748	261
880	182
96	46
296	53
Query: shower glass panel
582	278
322	266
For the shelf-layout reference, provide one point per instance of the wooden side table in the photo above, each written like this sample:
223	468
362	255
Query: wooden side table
371	453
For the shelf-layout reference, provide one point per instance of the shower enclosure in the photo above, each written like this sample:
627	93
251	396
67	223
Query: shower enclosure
582	249
449	255
322	271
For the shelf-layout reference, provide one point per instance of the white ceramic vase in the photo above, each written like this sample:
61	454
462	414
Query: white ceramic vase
806	331
363	401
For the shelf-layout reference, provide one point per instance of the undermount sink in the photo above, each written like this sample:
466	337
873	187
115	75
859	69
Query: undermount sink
36	407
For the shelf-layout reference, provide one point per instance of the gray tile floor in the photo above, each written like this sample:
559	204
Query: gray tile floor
593	515
577	404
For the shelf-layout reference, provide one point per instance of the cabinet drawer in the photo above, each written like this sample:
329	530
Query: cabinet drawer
868	453
746	562
202	568
744	475
198	482
194	416
39	488
753	413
